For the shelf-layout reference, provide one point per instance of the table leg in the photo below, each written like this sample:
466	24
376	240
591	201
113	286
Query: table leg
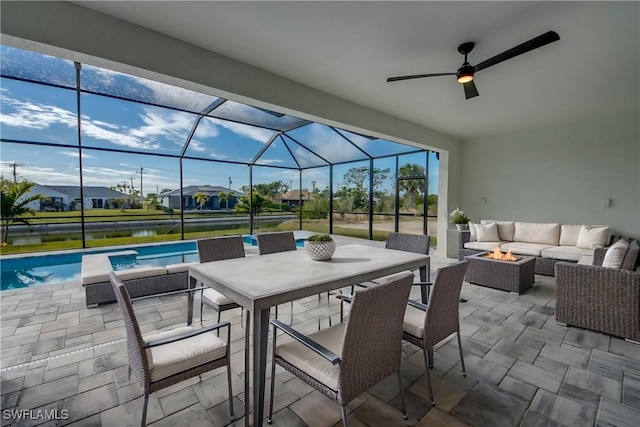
192	284
247	364
260	334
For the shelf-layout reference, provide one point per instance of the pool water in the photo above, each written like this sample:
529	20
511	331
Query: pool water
27	271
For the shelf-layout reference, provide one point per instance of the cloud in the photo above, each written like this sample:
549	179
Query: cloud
28	115
251	132
76	155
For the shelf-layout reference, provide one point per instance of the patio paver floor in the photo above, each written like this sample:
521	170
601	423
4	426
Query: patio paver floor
522	368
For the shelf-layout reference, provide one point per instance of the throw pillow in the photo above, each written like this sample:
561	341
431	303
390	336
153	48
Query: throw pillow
473	236
487	232
615	254
591	237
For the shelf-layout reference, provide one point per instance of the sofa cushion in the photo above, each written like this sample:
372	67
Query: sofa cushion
566	253
487	232
537	232
473	236
140	272
593	236
179	268
482	246
505	229
632	257
615	254
569	234
524	248
586	260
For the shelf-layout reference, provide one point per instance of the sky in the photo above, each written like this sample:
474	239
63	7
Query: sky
34	112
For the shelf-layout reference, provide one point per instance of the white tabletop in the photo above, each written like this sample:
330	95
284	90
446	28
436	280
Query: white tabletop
263	281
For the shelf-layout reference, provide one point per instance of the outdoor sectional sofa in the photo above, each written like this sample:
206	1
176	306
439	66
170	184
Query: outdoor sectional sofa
141	281
600	298
549	243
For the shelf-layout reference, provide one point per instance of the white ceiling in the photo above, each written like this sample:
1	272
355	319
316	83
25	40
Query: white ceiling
348	49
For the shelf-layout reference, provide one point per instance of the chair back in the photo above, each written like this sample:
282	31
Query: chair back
137	355
416	243
269	243
442	318
373	336
220	248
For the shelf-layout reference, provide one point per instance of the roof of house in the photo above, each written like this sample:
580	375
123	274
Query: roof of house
46	191
73	191
295	195
209	190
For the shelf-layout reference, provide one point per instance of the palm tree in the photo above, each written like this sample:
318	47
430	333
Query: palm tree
14	204
223	195
201	199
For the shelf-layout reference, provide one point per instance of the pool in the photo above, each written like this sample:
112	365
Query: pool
26	271
38	270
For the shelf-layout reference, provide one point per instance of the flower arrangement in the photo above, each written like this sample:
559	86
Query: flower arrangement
458	217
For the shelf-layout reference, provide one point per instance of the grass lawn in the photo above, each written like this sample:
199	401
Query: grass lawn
315	226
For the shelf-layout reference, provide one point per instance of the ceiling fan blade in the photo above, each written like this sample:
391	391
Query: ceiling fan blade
418	76
470	90
534	43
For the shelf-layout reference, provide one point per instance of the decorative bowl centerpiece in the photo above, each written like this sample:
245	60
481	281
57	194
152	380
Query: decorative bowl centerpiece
320	247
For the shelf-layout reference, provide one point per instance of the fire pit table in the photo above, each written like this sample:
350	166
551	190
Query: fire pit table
513	276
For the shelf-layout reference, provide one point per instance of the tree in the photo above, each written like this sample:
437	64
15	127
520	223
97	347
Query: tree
271	190
353	192
355	177
412	187
14	200
257	205
201	199
223	195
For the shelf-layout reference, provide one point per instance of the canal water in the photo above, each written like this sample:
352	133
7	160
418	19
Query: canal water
118	230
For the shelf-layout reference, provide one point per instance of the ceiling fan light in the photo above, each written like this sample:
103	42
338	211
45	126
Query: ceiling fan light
465	73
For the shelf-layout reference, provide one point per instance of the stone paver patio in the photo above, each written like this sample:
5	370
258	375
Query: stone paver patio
522	368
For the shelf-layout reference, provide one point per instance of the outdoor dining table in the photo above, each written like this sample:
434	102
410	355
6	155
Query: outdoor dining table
258	283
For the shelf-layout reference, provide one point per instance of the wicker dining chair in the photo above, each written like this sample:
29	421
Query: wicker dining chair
347	359
415	243
427	325
166	358
217	249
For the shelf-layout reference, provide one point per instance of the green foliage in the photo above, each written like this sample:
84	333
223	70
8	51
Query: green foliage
271	190
14	201
412	187
458	217
319	238
201	199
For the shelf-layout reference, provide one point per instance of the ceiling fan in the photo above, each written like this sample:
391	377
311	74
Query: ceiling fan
466	72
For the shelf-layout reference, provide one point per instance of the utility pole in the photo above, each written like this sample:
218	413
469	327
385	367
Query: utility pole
229	183
132	187
14	166
140	171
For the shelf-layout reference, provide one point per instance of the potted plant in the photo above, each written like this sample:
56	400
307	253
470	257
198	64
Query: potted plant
459	219
320	247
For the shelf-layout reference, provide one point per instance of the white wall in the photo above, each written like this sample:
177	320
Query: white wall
558	174
70	31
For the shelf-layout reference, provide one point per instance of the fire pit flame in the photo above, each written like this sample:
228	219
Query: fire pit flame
497	254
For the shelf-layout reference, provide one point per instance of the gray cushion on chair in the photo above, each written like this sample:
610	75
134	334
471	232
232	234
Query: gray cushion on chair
414	321
215	297
310	362
172	358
